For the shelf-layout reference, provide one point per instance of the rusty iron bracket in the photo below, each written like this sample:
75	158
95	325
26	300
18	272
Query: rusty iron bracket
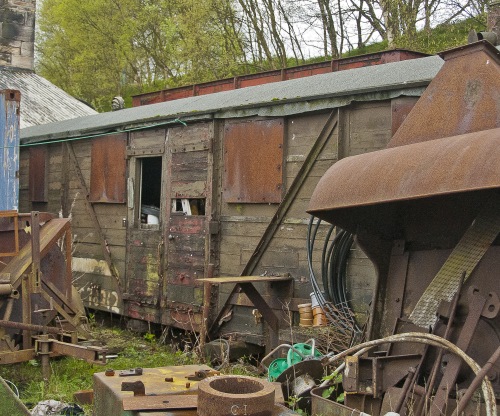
374	375
136	386
202	374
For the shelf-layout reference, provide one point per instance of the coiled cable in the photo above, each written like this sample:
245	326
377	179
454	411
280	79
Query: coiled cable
333	298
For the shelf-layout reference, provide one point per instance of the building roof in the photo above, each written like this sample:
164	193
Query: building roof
41	101
317	92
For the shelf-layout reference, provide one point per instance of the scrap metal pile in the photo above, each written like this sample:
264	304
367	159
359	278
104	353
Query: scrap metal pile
426	211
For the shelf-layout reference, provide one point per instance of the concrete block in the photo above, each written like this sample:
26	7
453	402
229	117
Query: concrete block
20	61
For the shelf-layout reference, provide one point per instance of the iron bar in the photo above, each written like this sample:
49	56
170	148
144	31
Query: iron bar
477	381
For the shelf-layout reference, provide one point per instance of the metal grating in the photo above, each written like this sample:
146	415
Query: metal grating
464	257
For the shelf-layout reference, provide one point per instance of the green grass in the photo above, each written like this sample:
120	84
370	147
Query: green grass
69	375
9	405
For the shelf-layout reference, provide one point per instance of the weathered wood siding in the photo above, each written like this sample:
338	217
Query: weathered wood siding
361	128
143	279
158	266
187	241
66	196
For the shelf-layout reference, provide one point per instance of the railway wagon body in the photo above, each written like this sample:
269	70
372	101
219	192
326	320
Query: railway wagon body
162	195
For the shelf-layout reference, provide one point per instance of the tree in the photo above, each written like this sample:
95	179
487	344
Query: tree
96	49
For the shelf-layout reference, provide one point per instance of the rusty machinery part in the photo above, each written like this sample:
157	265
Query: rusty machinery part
36	294
135	386
427	339
333	271
202	374
302	385
312	368
235	395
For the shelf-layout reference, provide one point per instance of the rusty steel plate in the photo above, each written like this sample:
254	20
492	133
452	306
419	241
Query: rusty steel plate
107	178
163	402
462	98
438	167
253	161
110	400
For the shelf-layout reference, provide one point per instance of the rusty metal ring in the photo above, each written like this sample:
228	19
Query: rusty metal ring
235	395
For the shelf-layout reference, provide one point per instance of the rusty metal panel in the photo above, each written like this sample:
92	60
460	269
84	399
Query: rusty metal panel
462	98
38	166
111	400
400	108
108	168
9	156
437	167
253	161
214	86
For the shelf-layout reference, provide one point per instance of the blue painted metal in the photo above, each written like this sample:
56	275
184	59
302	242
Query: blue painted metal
9	149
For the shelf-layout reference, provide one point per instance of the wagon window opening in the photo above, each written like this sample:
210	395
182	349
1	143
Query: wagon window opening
150	195
189	206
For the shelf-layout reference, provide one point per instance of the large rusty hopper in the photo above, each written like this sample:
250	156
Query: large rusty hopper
447	145
426	211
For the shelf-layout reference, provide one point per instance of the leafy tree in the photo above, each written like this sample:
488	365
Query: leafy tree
96	49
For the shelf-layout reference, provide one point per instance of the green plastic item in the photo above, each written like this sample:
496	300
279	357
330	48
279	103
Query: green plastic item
276	368
294	357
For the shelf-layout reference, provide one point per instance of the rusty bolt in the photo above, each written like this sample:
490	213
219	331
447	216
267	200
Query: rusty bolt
109	372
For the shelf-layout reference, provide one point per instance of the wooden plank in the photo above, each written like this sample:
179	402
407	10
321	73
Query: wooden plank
189	166
188	189
241	299
246	279
145	139
190	135
38	173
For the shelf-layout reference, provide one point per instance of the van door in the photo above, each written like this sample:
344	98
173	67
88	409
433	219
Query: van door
146	154
187	238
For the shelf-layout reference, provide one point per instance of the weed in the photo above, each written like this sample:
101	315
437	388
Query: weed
149	337
293	403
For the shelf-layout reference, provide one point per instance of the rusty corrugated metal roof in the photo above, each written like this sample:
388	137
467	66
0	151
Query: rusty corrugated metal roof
41	101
